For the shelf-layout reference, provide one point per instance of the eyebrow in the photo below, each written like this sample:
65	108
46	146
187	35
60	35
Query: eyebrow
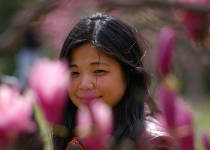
99	63
73	66
92	64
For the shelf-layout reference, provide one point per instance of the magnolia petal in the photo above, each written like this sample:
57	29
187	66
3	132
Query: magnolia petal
50	80
205	141
165	50
12	105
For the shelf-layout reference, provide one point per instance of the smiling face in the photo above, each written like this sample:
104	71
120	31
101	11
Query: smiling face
95	75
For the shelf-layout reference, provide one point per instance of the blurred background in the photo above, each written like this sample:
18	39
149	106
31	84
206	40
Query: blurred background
30	29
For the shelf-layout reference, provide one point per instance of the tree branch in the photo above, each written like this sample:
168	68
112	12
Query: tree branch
164	4
21	23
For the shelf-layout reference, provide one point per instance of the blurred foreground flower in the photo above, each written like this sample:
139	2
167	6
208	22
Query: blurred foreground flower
94	124
50	80
205	141
196	23
176	117
164	53
15	114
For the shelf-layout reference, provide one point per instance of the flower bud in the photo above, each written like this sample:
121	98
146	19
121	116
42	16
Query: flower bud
95	125
50	80
165	51
177	118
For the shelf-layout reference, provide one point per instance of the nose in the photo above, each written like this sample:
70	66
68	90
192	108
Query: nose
87	82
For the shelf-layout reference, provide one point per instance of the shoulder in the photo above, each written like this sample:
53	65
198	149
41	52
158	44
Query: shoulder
156	137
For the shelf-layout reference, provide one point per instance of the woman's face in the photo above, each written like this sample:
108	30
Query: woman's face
95	75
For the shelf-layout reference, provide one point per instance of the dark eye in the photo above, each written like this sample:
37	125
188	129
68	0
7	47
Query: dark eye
100	72
74	74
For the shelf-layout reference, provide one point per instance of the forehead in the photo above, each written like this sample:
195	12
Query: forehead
88	52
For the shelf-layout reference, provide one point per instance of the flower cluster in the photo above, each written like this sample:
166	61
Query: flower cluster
48	83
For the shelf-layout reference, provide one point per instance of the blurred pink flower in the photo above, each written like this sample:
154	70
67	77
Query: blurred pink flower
50	80
95	125
165	50
15	114
177	117
205	141
196	23
166	99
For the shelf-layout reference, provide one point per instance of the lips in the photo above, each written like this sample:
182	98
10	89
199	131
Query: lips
88	100
87	97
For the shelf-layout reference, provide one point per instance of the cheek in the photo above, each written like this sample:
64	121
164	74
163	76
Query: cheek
116	93
71	89
72	94
112	89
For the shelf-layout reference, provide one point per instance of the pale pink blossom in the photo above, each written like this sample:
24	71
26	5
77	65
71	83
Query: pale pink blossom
50	80
165	51
15	114
84	121
95	125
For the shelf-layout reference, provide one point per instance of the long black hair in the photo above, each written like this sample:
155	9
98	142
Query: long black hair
118	40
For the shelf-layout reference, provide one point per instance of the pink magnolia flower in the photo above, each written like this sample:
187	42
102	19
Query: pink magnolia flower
205	141
195	23
15	114
50	80
165	50
95	125
166	99
176	117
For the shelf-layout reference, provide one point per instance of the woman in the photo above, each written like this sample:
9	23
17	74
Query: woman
104	55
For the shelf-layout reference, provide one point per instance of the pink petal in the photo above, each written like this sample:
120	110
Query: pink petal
95	125
177	117
15	114
103	117
50	80
195	23
205	141
165	50
166	99
84	121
